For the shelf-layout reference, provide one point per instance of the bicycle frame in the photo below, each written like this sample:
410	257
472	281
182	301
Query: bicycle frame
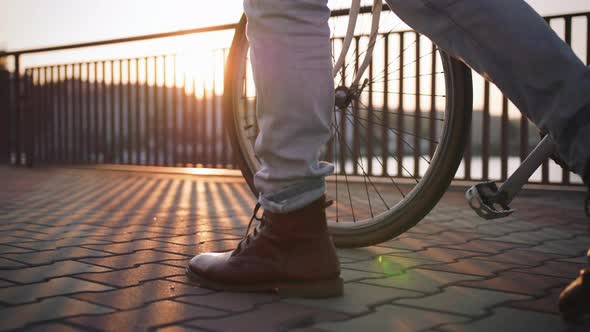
355	7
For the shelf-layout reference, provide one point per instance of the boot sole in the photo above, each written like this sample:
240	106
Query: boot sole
320	289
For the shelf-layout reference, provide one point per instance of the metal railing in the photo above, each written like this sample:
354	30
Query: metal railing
71	113
101	112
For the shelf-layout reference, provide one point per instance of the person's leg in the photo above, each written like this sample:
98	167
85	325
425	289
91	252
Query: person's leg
510	44
290	55
291	251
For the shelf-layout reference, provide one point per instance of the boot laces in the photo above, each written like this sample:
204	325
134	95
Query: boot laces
247	235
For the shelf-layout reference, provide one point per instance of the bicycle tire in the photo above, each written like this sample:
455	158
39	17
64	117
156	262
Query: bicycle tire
427	192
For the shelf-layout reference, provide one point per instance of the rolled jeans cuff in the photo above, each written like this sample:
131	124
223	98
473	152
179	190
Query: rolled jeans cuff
294	197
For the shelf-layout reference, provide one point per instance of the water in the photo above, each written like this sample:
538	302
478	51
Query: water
494	171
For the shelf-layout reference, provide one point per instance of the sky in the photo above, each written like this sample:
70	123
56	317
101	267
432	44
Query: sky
39	23
36	23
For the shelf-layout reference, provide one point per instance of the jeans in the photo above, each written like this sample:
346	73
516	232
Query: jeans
504	40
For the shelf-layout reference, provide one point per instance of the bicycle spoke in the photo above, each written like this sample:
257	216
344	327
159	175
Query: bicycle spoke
405	65
395	131
365	174
381	163
396	159
395	79
403	114
345	179
383	36
410	94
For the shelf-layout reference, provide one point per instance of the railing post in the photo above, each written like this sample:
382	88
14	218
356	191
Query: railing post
17	112
5	107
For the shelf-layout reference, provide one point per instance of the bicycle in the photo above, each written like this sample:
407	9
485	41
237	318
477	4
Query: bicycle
377	207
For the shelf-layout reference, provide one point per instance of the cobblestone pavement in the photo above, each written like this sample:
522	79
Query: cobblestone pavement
104	250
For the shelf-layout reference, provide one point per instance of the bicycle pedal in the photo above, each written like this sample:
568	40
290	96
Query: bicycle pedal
487	201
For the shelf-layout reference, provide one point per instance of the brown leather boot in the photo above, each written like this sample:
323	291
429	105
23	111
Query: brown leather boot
290	253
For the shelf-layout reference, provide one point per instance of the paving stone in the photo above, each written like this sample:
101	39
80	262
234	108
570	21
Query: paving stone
531	237
545	303
358	298
180	263
192	250
517	282
131	260
420	280
352	275
52	327
80	231
153	315
367	252
511	320
189	227
454	236
442	255
48	309
470	224
229	301
413	244
484	246
126	237
182	279
132	277
512	224
33	235
8	264
5	226
472	266
388	265
521	257
40	273
53	245
53	287
393	318
127	247
177	328
50	256
234	226
581	260
462	300
192	224
10	240
12	250
306	329
197	238
52	229
555	269
137	296
427	229
570	247
269	317
4	283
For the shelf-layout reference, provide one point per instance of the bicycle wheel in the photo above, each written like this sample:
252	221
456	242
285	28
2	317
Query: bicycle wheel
398	134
